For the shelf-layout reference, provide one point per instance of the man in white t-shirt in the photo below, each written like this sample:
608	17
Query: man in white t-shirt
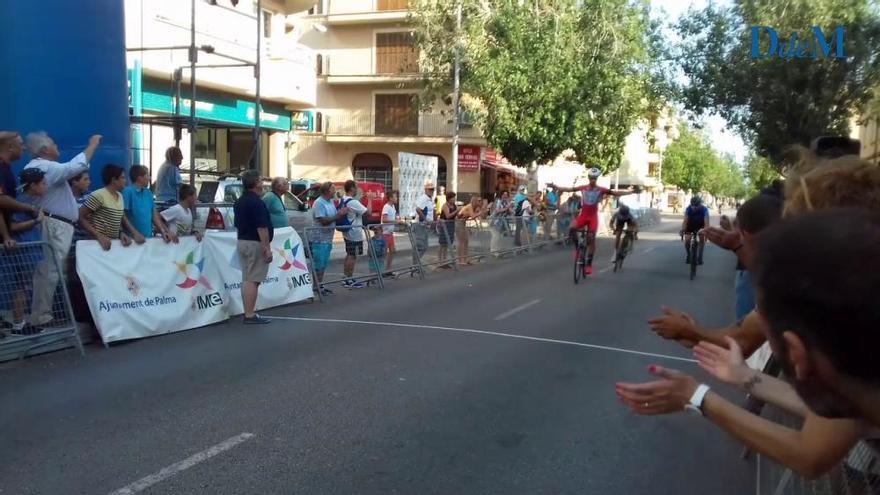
354	236
424	214
526	209
179	217
389	220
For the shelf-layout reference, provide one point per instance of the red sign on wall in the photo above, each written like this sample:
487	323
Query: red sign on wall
468	158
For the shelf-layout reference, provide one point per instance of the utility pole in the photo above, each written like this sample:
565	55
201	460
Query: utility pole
193	58
452	181
258	134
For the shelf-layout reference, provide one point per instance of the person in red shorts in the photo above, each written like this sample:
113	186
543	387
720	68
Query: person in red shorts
591	196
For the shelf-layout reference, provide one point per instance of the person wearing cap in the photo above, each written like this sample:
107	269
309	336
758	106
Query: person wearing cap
11	148
424	214
19	265
60	209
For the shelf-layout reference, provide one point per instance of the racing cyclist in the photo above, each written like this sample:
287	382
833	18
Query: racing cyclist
623	218
591	195
696	218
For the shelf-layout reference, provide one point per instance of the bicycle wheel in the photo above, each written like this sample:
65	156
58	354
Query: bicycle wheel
621	253
694	250
578	263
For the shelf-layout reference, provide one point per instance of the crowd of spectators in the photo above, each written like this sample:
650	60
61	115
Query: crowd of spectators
49	202
808	270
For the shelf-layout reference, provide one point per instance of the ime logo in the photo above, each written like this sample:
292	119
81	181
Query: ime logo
819	45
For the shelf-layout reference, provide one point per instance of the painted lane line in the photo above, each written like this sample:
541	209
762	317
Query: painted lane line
483	332
508	314
178	467
646	251
606	269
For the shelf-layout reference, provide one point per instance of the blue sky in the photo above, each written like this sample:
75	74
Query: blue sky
722	140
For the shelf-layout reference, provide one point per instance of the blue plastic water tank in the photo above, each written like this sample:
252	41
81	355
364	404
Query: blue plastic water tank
63	64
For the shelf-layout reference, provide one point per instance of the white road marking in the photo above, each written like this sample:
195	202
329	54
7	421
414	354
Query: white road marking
508	314
646	251
178	467
483	332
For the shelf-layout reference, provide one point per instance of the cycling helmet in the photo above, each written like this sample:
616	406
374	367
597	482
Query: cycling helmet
594	173
696	201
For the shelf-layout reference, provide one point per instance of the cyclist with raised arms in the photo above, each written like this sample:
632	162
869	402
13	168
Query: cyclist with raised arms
591	196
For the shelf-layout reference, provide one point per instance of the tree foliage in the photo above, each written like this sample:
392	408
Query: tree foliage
545	75
760	172
776	102
691	164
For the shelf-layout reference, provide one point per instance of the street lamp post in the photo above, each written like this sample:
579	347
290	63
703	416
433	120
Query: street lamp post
452	182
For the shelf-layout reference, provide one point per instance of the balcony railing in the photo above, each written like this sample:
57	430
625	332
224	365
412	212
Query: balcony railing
386	67
401	125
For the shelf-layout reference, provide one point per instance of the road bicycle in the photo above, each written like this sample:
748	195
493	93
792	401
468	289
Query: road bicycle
693	250
626	246
584	238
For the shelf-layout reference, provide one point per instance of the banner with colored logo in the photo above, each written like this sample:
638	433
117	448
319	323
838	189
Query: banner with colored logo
150	289
288	280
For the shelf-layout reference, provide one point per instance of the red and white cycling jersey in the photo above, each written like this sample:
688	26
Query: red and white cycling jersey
591	196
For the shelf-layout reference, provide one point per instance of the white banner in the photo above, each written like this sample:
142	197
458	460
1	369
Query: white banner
151	289
415	170
288	280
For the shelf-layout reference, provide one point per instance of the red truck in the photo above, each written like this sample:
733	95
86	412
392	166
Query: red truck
371	191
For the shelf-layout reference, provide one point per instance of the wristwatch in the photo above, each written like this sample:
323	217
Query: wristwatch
695	405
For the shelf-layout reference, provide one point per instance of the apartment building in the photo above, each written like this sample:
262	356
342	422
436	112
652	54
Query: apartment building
366	111
226	32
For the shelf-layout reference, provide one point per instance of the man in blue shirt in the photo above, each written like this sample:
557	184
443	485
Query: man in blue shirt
321	240
255	234
169	180
140	208
696	218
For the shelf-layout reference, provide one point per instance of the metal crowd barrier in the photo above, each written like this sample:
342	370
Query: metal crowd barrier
328	251
35	309
857	474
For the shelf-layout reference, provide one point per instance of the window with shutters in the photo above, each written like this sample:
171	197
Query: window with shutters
392	5
396	53
397	114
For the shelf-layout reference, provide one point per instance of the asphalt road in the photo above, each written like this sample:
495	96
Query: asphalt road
318	405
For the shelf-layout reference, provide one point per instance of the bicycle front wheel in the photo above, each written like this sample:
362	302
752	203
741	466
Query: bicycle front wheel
578	264
694	251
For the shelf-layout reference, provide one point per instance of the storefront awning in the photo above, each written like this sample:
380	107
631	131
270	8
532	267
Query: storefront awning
505	167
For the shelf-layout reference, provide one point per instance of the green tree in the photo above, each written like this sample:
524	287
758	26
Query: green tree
687	161
544	75
760	172
777	102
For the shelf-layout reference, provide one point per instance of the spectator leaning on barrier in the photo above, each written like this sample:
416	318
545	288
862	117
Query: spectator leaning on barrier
80	185
321	239
180	216
60	207
19	265
389	219
255	234
275	203
354	236
446	229
425	215
469	212
11	147
103	213
140	207
169	180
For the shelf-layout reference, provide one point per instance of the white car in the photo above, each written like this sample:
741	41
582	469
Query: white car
216	198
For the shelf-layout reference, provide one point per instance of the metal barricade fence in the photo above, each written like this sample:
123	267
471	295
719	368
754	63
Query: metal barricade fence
436	244
395	249
35	309
857	474
337	260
